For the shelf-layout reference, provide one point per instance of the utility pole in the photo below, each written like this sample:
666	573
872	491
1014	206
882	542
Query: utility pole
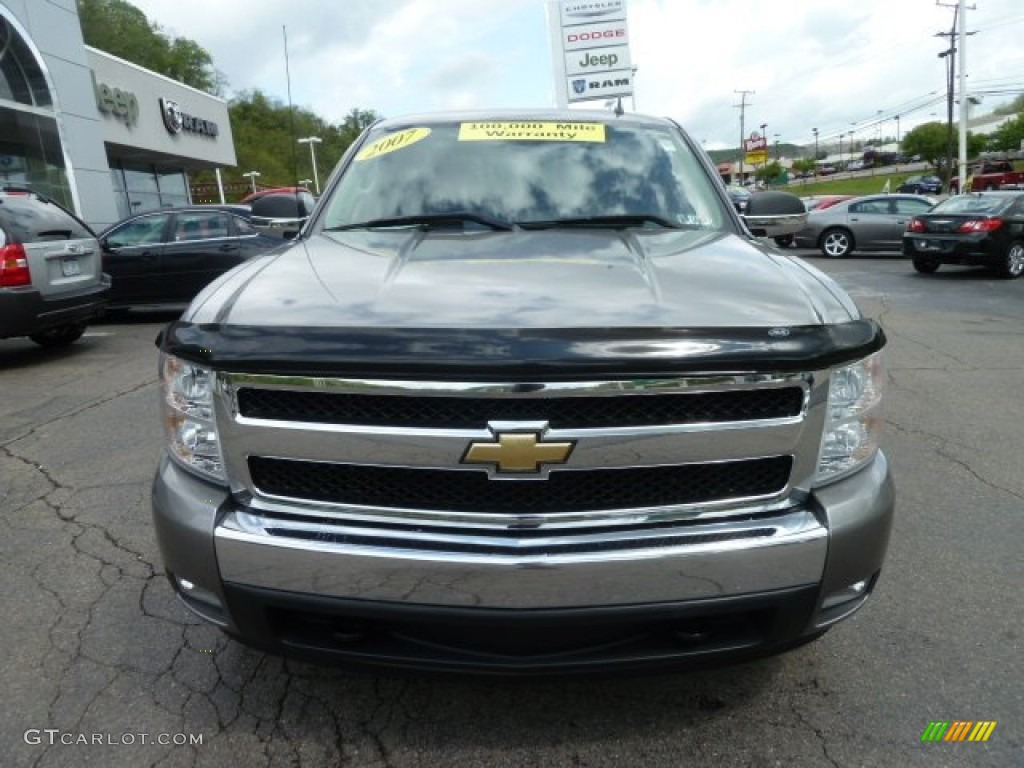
949	54
743	110
964	106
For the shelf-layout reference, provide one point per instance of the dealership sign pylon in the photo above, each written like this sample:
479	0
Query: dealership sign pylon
590	50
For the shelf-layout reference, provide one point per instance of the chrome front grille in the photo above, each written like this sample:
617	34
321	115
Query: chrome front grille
387	456
563	491
578	412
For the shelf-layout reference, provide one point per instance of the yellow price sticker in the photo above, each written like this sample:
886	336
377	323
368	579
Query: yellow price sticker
392	143
523	130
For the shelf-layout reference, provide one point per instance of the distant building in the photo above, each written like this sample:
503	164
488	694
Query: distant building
103	136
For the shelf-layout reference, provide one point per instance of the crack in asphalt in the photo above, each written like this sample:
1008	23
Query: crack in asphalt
80	409
942	451
819	734
65	652
936	351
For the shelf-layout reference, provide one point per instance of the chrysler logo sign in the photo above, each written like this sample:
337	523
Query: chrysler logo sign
592	9
177	121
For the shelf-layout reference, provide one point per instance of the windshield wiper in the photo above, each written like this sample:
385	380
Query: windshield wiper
618	221
428	220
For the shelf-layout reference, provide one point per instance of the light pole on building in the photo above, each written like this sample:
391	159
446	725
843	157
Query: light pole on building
313	141
252	176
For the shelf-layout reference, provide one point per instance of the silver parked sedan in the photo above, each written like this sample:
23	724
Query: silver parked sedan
871	223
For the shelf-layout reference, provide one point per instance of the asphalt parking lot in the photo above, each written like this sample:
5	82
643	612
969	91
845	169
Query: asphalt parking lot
98	649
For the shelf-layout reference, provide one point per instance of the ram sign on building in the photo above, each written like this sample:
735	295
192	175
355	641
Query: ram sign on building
590	47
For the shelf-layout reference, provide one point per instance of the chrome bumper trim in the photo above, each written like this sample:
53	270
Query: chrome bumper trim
725	558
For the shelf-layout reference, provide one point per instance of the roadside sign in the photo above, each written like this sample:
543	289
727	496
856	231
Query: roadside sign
756	148
757	157
590	48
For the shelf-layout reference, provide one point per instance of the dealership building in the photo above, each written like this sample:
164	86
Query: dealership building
101	135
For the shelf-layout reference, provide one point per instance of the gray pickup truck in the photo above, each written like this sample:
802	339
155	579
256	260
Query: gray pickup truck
526	395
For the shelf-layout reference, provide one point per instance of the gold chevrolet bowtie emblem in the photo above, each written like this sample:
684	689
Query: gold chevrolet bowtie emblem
518	452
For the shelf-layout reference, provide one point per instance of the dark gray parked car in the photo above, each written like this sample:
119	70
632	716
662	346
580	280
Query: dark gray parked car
51	281
871	223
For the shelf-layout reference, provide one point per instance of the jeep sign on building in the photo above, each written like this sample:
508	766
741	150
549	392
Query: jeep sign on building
590	47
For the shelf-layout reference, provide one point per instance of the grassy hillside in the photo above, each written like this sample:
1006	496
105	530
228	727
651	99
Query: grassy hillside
862	185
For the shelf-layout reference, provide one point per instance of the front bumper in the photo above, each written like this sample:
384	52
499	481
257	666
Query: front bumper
24	311
724	589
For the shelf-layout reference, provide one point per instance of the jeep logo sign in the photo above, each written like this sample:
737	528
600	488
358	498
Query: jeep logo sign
597	60
177	121
121	105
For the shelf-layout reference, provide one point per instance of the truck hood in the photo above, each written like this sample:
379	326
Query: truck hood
546	279
522	305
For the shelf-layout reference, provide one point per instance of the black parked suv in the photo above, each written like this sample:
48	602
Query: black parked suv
51	282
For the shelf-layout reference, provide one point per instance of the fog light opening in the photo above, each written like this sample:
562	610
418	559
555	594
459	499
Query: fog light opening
854	591
192	591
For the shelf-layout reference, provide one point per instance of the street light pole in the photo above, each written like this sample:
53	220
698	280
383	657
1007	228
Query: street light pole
313	141
252	177
841	149
815	152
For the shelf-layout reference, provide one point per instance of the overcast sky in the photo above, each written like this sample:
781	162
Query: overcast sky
837	65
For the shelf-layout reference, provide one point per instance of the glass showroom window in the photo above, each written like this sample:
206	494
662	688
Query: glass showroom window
30	149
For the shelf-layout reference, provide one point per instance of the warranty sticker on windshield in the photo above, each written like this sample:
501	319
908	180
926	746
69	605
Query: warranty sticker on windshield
531	131
392	142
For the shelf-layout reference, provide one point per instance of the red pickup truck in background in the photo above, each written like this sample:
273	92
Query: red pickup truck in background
990	175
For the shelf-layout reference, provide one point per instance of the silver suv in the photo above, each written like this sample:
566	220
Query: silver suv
51	278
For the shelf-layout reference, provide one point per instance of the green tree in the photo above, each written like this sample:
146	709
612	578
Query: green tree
769	171
1009	136
121	29
1012	108
265	135
804	164
930	141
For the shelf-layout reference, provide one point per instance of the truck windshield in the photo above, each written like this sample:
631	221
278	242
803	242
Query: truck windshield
538	173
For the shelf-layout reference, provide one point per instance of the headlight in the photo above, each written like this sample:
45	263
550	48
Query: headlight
187	405
853	424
